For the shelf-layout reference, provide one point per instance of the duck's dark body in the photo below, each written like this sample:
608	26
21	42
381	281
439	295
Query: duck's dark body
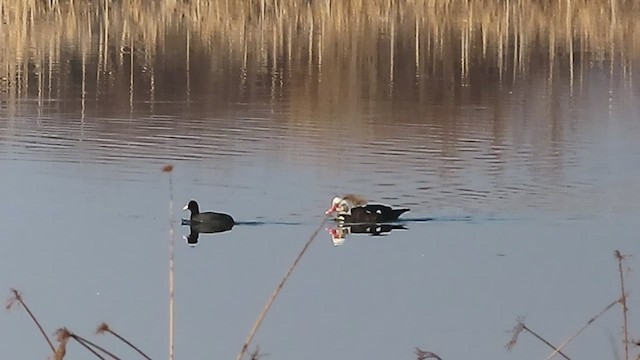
369	214
209	221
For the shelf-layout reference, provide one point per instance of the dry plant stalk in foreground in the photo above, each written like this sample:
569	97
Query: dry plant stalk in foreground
589	322
520	326
169	169
17	297
623	301
63	335
104	328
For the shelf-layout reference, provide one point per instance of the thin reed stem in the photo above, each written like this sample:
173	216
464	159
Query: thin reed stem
623	301
92	344
17	297
87	347
169	169
275	293
105	328
63	336
557	351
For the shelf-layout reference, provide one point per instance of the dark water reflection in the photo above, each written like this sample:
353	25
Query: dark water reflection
195	231
518	138
339	233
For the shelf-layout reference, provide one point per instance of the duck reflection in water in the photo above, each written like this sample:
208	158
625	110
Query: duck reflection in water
339	234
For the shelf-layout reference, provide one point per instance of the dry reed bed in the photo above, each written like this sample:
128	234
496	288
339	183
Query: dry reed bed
366	39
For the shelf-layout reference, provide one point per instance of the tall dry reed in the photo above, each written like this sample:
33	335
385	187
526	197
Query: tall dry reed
169	169
589	322
104	328
90	344
623	301
17	298
520	327
63	335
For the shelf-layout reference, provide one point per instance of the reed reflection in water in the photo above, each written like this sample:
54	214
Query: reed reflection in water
518	117
348	85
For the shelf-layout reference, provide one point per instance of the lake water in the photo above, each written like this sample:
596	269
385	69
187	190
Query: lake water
525	161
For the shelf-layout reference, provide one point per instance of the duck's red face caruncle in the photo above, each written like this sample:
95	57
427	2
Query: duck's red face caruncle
335	206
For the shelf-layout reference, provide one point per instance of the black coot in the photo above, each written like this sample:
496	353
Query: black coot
209	221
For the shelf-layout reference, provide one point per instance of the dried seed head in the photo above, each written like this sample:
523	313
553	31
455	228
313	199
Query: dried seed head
16	298
515	332
103	328
63	334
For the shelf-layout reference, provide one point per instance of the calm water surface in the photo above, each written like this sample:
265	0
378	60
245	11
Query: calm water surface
531	183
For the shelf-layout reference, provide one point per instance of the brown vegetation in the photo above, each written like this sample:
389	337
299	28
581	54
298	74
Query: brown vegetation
105	45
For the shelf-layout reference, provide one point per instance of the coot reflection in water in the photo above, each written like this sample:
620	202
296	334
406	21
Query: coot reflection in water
205	222
197	229
340	233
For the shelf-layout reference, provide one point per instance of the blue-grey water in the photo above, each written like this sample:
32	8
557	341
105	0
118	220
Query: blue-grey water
530	185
